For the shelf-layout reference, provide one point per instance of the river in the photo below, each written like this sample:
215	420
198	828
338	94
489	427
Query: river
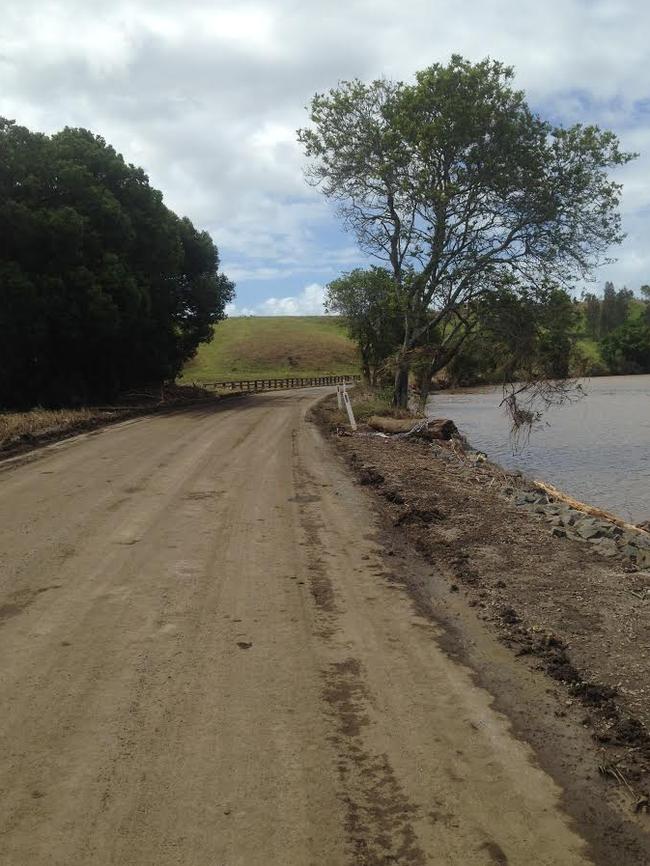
596	449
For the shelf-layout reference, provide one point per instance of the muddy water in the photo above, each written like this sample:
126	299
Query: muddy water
597	449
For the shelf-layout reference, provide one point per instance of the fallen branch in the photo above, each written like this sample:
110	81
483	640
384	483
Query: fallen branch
587	509
434	428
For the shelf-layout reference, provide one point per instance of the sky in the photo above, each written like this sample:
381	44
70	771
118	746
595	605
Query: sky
207	96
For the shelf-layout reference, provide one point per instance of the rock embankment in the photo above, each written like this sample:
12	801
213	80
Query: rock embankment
607	537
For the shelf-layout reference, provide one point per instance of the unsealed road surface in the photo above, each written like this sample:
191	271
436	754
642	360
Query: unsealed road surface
204	662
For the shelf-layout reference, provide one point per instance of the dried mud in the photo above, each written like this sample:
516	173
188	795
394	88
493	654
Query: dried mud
560	607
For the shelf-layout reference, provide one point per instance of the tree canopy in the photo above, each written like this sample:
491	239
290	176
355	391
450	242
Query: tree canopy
368	302
461	190
627	348
102	287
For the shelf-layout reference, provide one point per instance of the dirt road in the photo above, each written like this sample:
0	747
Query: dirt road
203	661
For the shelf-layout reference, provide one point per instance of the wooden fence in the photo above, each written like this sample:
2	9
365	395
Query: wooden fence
277	384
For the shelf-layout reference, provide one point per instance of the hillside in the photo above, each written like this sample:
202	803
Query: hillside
250	347
590	348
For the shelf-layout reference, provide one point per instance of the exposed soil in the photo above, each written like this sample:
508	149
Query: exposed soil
214	651
556	603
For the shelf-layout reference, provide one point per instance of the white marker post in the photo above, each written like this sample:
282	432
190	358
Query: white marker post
348	406
338	397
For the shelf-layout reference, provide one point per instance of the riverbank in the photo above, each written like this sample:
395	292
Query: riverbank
558	602
594	448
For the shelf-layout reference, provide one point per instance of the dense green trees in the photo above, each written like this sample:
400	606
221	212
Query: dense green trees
627	348
102	288
614	308
462	191
368	302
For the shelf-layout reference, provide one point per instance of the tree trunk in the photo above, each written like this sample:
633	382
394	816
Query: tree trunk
401	393
435	428
365	371
424	386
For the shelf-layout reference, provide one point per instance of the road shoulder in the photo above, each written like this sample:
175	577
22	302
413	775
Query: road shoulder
514	607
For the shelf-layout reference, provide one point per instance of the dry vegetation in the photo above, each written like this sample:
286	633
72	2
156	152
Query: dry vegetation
372	401
20	431
24	426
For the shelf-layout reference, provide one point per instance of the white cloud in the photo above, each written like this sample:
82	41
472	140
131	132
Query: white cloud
308	303
207	95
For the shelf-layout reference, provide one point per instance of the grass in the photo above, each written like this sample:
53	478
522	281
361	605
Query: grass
15	426
367	401
274	347
20	431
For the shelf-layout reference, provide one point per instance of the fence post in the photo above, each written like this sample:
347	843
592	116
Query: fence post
348	406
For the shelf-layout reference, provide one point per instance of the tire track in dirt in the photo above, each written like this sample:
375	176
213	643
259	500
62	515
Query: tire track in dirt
378	813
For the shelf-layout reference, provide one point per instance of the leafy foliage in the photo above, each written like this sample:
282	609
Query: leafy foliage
613	308
524	336
627	348
368	302
102	288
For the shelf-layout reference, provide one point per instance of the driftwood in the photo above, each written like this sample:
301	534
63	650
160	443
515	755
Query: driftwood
587	509
434	428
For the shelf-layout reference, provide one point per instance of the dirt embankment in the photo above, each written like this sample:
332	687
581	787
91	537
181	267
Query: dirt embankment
579	611
22	431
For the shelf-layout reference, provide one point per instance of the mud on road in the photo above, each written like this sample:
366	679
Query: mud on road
209	655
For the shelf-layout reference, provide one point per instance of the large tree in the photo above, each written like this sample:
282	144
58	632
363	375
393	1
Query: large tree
462	190
102	287
614	308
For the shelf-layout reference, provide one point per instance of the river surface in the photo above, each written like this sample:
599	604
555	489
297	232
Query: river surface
596	449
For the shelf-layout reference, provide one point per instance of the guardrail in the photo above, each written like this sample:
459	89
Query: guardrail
278	384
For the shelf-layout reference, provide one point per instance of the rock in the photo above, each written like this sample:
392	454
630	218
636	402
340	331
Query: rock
531	498
645	525
628	536
589	529
642	541
606	546
569	517
629	550
643	559
558	532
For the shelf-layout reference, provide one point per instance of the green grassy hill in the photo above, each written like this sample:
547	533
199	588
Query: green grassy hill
251	347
